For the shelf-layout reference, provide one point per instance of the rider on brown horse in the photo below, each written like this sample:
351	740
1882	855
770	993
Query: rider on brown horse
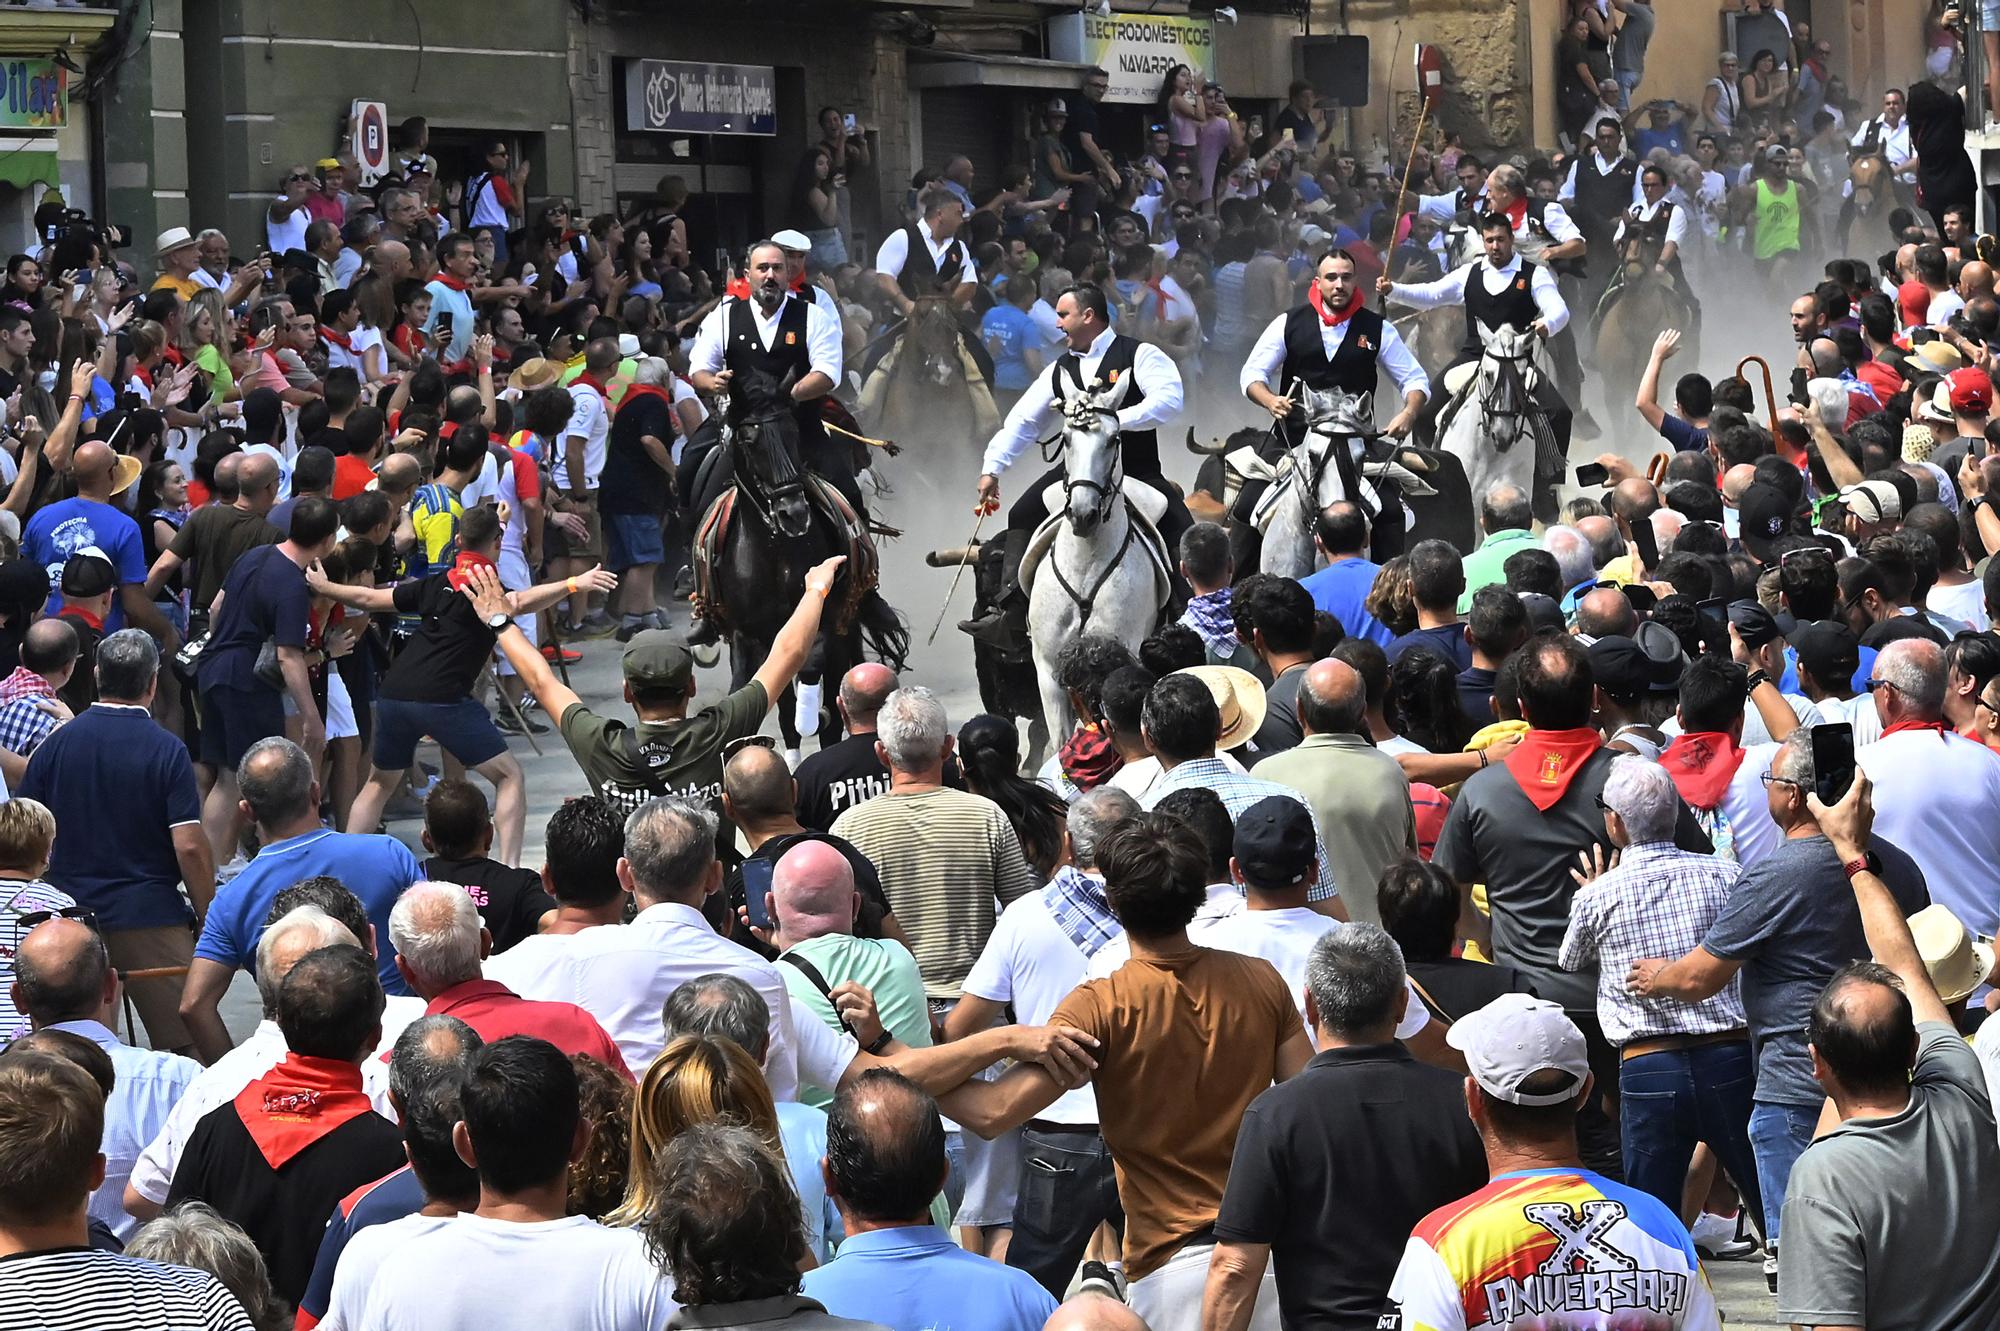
1649	238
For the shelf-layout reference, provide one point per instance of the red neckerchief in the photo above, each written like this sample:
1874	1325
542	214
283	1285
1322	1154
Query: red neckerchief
1332	318
644	390
738	287
458	575
1702	765
799	285
1902	726
143	375
1089	758
1546	761
1156	285
78	612
335	337
1517	213
171	354
298	1102
445	279
591	380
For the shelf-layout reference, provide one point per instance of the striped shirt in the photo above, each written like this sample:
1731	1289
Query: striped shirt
1658	902
17	898
1238	792
78	1289
943	856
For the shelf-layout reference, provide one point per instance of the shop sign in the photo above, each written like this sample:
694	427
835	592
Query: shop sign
35	94
1137	50
687	97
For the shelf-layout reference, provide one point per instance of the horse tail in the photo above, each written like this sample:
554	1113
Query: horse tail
884	632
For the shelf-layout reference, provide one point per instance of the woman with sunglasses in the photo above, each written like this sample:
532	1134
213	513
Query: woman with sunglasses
286	219
27	834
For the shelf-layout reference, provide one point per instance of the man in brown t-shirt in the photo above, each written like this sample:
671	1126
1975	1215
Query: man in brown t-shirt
1186	1038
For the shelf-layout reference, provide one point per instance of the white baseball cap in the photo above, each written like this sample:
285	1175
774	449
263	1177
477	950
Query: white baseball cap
1513	1038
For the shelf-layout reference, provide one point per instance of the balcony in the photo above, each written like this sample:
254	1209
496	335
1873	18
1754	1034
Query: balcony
41	28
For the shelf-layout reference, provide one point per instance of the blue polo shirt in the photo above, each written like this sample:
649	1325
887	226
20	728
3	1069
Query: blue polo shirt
374	868
915	1276
389	1198
1341	589
118	784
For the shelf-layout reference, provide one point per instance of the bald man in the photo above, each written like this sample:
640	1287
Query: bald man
391	258
1604	612
91	519
1359	793
842	775
758	795
215	536
64	981
1094	1311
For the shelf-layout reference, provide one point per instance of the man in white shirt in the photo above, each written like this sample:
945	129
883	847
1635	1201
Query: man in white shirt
927	258
579	460
1038	952
519	1260
63	981
1935	791
1144	389
1889	135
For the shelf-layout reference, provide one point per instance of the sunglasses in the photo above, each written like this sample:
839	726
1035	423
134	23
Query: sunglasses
1804	553
1873	684
1598	800
742	742
1771	778
297	176
1980	701
1183	175
28	921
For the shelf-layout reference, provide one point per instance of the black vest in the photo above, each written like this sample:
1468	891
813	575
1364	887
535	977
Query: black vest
1603	196
1140	449
923	275
1352	369
1514	307
788	354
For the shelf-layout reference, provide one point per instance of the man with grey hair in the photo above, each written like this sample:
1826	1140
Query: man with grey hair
440	944
284	941
1038	952
63	981
282	796
1505	517
1574	557
123	793
1935	791
844	773
1791	922
1363	1118
1685	1069
1359	793
427	1072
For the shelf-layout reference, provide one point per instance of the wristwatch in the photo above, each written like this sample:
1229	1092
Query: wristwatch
498	620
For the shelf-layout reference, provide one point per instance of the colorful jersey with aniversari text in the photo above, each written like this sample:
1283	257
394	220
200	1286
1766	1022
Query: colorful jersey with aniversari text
1551	1250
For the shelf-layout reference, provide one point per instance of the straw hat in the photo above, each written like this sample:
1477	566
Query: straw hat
535	372
1919	442
1239	697
1958	962
125	472
173	238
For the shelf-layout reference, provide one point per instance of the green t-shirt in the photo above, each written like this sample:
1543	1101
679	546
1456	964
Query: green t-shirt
628	764
882	966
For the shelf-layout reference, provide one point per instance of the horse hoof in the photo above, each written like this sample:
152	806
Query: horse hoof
707	655
792	759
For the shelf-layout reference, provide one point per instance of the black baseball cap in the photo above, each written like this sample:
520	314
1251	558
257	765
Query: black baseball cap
1275	844
1758	626
1765	514
1828	649
654	660
89	572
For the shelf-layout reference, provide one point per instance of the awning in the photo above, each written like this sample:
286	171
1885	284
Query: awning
36	166
932	68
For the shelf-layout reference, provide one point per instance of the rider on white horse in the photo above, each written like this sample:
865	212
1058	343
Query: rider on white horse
1332	341
1500	290
1148	388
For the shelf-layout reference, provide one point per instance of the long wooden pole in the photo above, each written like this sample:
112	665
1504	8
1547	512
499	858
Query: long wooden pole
1416	138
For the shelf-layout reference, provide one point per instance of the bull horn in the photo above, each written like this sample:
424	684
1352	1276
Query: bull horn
952	558
1215	448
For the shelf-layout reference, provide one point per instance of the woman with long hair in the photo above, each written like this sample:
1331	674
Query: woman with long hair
989	753
816	204
636	262
162	507
1423	702
597	1180
1182	109
204	344
23	288
709	1079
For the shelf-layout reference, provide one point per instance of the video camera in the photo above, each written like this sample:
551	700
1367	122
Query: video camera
53	221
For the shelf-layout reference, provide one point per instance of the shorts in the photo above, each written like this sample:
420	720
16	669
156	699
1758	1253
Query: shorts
463	729
515	576
233	719
560	545
1989	15
339	709
633	539
985	1175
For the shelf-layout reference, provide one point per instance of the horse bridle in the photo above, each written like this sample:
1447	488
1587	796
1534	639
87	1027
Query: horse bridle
1113	487
1520	418
764	504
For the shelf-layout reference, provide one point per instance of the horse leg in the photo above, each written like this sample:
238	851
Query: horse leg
787	726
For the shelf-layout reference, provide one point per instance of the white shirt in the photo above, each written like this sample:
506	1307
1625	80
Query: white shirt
622	975
590	417
1895	140
1748	809
1044	315
1966	601
362	1258
1225	901
214	1086
290	234
822	1052
1755	732
1285	938
1450	289
1566	193
1943	305
1858	712
1267	356
475	1274
1036	413
1676	221
1030	962
277	455
895	252
1444	207
147	1085
1935	796
822	337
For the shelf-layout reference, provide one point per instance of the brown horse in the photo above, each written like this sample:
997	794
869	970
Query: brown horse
1871	199
928	389
1644	303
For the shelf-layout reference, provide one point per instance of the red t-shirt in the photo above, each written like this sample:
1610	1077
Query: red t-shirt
351	475
495	1011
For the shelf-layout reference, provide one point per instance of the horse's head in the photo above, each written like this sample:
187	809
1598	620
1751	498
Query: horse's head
1091	481
766	438
1334	411
931	341
1507	372
1869	175
1638	252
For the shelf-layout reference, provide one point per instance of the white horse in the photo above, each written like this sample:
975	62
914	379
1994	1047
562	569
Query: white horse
1097	564
1309	479
1493	425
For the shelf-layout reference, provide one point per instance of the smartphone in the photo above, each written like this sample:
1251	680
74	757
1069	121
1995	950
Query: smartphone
851	123
76	292
1647	545
757	890
1640	595
1715	622
442	328
1593	473
1833	761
